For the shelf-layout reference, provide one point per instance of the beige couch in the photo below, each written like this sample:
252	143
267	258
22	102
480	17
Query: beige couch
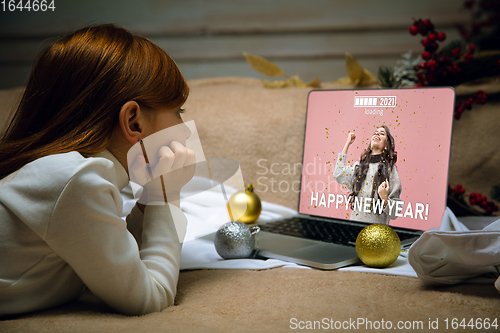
238	118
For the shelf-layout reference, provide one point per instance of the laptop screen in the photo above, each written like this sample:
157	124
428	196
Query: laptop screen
378	156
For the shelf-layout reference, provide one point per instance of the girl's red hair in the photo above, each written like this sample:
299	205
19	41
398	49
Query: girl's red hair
77	88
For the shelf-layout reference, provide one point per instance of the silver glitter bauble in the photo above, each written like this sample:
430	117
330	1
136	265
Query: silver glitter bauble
235	240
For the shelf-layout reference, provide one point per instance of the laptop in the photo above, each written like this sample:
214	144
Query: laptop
323	234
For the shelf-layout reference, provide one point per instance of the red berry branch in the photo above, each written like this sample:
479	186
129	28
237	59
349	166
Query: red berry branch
459	62
476	56
482	201
430	43
452	65
458	190
438	66
478	98
475	199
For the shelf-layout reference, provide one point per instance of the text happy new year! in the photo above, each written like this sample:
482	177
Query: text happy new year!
370	205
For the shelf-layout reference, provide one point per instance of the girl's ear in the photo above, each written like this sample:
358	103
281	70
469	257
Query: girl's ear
130	122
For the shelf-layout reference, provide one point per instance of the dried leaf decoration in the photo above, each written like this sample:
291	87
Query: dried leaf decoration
270	69
263	66
293	81
357	75
315	83
354	69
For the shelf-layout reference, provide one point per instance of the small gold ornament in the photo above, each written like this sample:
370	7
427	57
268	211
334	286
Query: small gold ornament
378	245
244	205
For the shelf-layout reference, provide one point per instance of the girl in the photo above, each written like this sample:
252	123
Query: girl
375	176
91	96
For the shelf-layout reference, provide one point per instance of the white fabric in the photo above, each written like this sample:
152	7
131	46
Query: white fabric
440	257
206	212
60	229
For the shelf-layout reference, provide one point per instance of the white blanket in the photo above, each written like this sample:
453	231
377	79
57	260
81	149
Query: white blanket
449	257
439	256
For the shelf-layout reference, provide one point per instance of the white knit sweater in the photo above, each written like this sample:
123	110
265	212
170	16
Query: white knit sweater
60	230
344	174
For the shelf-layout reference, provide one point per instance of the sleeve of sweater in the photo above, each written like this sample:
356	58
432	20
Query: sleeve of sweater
395	189
87	232
344	173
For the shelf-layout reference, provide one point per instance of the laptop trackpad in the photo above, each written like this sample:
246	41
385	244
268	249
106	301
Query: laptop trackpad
305	251
325	253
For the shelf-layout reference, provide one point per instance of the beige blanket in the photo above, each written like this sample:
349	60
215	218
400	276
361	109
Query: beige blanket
268	301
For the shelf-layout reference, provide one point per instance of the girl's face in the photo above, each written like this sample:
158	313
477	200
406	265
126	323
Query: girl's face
379	140
161	127
168	118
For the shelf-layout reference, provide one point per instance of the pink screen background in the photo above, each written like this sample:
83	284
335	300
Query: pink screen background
421	124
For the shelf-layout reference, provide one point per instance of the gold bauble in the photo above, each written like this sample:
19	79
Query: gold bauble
378	245
244	206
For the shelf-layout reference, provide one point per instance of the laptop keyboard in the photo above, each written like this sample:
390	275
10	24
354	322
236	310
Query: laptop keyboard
338	233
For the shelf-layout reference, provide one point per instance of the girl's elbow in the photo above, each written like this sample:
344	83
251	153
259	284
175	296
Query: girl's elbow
157	303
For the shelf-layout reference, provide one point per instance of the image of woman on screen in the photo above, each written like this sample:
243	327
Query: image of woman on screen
374	181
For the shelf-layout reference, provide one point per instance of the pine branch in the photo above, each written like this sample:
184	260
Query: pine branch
495	192
386	77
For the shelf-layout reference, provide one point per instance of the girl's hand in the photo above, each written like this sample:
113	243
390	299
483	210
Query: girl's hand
176	165
383	190
350	139
174	169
